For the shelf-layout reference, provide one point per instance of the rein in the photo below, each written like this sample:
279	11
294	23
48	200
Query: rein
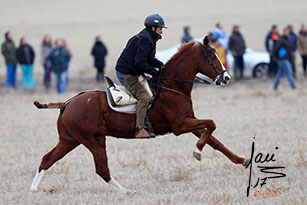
198	80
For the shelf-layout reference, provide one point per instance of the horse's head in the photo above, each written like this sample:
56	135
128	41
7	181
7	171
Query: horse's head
210	65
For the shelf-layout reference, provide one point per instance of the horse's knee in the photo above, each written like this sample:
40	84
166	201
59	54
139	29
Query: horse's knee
212	125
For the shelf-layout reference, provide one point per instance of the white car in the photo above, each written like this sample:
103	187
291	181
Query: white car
256	64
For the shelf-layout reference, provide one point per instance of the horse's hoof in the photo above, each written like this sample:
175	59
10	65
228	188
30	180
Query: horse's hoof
34	189
131	193
246	162
197	155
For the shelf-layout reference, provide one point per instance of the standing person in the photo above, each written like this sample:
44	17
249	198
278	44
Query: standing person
45	49
58	59
221	35
302	46
293	41
282	53
219	50
25	56
9	53
70	54
187	36
237	48
270	42
138	58
99	52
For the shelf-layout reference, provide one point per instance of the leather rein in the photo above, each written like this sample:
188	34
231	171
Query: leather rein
198	80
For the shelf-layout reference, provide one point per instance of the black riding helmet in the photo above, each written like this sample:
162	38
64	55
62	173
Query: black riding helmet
154	20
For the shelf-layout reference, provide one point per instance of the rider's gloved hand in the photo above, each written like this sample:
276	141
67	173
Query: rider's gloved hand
155	73
160	65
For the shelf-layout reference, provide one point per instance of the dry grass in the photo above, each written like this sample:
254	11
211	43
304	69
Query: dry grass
161	170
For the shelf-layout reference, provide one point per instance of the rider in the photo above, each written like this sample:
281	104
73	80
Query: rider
138	58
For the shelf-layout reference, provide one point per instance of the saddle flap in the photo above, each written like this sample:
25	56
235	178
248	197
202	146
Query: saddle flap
120	96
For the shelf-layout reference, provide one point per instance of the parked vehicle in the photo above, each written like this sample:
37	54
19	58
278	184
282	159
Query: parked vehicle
256	64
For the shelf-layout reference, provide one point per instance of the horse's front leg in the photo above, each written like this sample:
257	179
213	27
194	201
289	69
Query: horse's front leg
217	145
204	127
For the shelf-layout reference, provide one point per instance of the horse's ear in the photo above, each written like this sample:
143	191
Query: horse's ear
207	40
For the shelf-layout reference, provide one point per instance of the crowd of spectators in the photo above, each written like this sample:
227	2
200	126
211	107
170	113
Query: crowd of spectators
281	49
54	58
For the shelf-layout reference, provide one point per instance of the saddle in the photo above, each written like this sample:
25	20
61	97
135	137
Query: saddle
120	100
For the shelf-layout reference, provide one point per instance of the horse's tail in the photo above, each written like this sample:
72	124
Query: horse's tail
57	105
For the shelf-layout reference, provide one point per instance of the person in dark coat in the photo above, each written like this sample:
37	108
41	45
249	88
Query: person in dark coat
138	58
25	56
282	54
99	52
237	48
187	36
9	53
58	60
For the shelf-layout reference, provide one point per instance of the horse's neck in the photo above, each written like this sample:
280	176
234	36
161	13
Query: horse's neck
183	68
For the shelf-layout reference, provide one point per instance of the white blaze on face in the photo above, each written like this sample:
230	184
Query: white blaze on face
226	76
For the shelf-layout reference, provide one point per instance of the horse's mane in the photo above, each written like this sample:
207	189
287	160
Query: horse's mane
180	51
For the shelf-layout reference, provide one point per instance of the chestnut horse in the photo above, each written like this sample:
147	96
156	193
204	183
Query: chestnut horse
87	119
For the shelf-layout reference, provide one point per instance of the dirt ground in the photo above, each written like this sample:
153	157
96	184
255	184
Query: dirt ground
161	170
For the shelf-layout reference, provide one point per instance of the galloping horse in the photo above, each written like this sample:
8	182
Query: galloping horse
87	119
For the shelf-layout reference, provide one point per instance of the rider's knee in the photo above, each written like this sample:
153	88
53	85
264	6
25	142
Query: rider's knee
144	98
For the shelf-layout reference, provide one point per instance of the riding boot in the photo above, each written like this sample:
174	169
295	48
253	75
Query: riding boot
148	124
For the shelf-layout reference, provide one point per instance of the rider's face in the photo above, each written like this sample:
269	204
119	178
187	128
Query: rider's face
158	30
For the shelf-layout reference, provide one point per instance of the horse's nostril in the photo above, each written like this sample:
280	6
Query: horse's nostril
227	78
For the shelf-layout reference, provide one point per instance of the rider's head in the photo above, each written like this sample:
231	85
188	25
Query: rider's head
155	22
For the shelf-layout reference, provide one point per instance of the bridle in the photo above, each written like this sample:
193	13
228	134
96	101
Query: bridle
206	51
205	54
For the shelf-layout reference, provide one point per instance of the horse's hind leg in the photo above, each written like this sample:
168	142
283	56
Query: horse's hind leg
98	149
57	153
65	145
216	144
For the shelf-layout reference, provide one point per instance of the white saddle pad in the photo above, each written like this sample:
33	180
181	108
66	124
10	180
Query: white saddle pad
120	100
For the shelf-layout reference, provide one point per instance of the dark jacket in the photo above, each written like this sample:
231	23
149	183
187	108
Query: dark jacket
237	43
282	49
270	42
25	55
293	41
99	52
59	59
186	37
138	57
9	52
